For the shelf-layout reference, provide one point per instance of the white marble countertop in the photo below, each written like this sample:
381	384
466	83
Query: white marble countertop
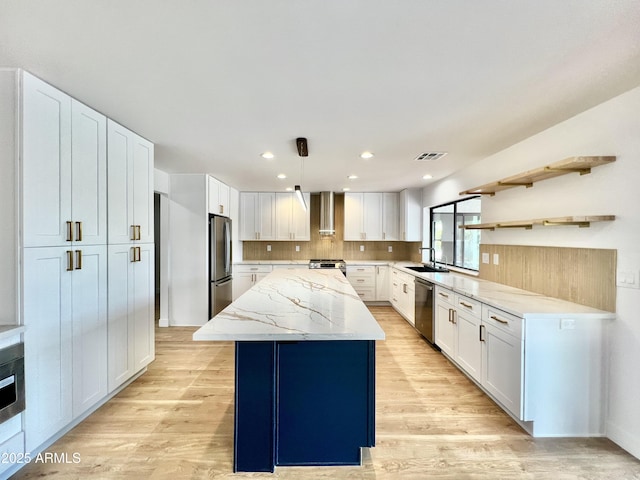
300	304
272	262
512	300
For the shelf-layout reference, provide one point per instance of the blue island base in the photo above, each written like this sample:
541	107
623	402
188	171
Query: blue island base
303	403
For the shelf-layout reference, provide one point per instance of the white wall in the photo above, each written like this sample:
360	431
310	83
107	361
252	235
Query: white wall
611	128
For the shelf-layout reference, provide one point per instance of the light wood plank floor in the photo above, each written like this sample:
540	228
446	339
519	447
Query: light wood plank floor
176	422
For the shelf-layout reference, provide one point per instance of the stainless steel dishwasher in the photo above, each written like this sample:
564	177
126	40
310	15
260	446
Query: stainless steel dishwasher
424	309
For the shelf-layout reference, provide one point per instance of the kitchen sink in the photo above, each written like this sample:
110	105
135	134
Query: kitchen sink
425	269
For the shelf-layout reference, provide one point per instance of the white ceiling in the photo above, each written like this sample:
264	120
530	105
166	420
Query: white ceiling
214	83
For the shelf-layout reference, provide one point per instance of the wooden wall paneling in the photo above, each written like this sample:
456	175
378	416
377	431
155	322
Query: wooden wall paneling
582	275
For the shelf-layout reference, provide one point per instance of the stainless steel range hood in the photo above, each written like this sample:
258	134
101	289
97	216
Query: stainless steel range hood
327	221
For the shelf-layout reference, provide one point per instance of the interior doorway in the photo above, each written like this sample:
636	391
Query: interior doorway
161	239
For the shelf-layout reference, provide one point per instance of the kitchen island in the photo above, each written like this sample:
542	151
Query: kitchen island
304	370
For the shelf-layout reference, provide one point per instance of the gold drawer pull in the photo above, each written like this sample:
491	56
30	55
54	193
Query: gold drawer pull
466	305
69	231
493	317
79	231
443	295
69	260
78	259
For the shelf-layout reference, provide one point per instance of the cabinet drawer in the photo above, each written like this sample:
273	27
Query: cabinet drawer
361	269
444	295
466	304
361	280
506	322
366	294
252	268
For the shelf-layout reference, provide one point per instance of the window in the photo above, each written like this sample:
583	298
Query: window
453	245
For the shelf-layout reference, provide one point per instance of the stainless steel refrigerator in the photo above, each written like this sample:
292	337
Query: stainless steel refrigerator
219	263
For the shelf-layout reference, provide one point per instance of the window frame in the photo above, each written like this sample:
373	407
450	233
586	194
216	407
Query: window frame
456	230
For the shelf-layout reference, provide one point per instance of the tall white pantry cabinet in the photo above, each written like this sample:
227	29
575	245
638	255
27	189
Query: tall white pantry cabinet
55	150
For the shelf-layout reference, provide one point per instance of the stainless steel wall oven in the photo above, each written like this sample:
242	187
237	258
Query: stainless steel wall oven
11	381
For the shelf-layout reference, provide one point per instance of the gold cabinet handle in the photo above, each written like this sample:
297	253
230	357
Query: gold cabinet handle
450	313
133	232
443	295
69	260
79	231
482	328
466	305
139	254
138	236
493	317
454	316
360	280
78	260
69	231
133	254
221	208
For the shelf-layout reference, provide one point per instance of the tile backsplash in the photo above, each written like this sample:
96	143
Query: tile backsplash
330	247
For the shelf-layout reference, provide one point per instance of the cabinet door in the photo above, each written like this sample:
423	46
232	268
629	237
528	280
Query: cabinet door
267	216
301	218
372	216
284	205
88	175
143	318
143	188
445	329
224	198
411	215
353	216
382	283
214	196
120	329
390	211
248	216
89	327
46	164
47	343
241	283
120	183
502	368
468	346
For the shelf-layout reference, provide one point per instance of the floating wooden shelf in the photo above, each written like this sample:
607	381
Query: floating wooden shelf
581	165
528	224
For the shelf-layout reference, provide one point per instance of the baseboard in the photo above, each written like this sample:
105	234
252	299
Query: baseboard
624	438
163	322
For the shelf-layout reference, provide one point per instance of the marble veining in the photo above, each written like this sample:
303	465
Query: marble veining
299	304
522	303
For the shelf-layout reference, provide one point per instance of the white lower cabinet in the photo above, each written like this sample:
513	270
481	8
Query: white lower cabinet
246	276
131	311
403	294
382	283
502	367
363	280
445	332
65	306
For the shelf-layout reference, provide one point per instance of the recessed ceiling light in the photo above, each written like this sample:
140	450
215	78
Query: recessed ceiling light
352	177
346	189
267	155
289	189
281	176
427	176
366	155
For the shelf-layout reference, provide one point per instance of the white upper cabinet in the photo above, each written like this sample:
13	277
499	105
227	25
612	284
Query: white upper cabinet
64	169
130	181
88	175
257	216
390	216
46	165
218	197
292	221
365	216
411	215
353	216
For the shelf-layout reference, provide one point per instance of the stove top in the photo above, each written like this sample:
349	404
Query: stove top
326	260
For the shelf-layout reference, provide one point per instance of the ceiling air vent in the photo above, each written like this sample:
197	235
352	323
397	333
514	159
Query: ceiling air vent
428	156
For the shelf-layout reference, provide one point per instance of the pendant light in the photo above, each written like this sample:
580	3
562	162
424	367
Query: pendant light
301	144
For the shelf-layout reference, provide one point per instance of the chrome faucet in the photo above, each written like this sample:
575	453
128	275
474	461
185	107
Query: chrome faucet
432	255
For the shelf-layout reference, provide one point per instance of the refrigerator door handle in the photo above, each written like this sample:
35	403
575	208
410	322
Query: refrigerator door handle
227	248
